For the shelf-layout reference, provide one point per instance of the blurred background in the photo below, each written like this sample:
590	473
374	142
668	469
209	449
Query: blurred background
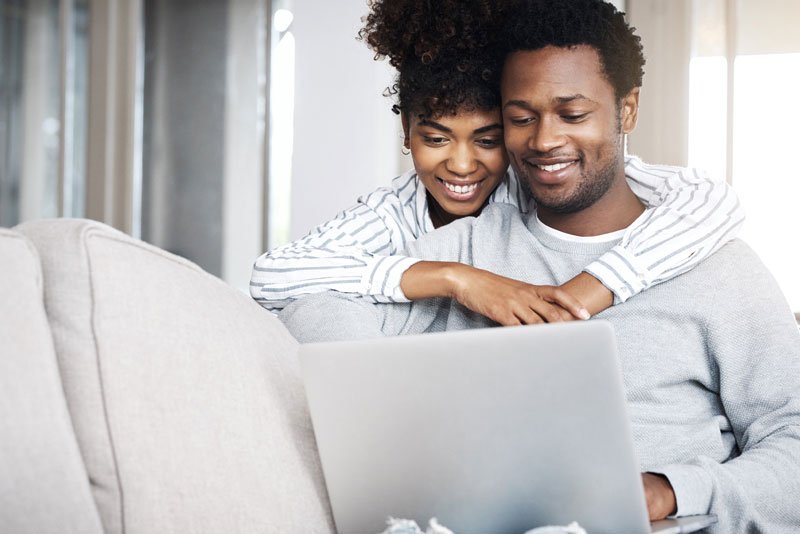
217	129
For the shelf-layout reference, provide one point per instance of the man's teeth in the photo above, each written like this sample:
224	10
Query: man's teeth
556	167
461	188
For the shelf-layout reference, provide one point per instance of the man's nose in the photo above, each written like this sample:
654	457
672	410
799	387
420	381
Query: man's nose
462	160
546	136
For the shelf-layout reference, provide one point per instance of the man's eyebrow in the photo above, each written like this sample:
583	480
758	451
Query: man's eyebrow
572	98
517	103
556	100
433	124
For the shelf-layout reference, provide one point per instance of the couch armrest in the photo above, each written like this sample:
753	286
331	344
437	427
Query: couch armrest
185	394
43	483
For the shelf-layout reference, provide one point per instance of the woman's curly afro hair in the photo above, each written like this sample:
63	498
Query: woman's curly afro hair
441	51
535	24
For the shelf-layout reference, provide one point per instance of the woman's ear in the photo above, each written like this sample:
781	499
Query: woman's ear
630	110
406	131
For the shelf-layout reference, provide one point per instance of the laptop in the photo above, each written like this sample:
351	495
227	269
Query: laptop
492	430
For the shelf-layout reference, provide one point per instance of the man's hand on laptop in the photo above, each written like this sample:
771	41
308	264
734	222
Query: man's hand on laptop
660	497
503	300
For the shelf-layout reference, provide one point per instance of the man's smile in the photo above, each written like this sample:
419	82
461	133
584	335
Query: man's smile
551	171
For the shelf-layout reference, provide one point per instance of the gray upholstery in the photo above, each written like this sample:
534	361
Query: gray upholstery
43	484
184	394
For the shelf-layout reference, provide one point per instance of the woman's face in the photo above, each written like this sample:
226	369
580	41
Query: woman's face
460	159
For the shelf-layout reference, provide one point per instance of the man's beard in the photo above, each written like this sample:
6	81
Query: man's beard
589	189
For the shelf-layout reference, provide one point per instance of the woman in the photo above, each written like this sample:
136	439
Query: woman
448	98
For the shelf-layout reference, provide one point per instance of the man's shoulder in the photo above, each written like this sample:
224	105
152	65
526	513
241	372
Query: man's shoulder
498	215
736	255
735	270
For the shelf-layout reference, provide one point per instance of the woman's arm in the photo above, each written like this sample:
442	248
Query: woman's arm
351	253
504	300
689	217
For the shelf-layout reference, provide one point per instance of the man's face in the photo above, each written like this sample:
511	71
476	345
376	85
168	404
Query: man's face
564	126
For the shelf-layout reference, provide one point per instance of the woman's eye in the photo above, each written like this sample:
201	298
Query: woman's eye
488	143
435	140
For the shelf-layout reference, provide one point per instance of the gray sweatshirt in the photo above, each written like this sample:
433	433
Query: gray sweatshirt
710	360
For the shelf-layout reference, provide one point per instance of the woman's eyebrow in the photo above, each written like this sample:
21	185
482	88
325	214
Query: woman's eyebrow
433	124
488	128
482	129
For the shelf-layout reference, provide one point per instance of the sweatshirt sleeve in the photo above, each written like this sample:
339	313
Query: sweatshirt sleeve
332	316
689	217
353	253
754	343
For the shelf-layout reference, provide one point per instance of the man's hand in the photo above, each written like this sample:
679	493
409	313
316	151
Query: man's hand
659	495
506	301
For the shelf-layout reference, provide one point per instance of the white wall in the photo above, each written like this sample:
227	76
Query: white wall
346	140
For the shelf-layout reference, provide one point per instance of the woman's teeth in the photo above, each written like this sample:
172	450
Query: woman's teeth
461	189
556	167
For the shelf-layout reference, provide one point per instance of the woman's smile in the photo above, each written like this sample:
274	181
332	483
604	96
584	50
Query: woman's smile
461	191
459	158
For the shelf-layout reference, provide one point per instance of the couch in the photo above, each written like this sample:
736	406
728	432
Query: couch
140	394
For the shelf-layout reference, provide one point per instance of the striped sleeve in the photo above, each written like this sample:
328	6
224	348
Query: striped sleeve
689	217
351	254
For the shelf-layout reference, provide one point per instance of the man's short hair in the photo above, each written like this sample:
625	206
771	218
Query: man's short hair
536	24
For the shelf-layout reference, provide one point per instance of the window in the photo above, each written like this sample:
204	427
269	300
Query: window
758	139
204	132
281	137
43	110
173	148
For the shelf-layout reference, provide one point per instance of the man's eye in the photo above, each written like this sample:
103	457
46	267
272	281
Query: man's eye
521	121
574	117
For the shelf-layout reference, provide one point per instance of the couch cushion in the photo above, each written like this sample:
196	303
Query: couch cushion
43	484
185	394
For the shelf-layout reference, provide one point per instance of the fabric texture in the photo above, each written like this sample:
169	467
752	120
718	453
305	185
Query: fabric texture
186	395
361	250
43	484
710	360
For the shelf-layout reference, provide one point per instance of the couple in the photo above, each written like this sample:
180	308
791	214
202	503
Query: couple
711	358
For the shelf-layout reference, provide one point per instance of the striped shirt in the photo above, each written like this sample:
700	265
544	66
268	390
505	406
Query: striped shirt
689	217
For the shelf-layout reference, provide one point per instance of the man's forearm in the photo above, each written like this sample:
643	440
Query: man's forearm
332	316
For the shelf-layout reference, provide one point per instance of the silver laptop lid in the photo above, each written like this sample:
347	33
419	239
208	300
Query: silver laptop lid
492	430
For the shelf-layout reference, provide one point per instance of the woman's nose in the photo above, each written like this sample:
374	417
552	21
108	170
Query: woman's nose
462	161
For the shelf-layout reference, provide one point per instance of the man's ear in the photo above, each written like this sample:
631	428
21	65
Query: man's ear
406	132
630	110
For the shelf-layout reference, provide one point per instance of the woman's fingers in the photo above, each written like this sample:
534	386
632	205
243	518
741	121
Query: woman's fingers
512	302
566	301
550	313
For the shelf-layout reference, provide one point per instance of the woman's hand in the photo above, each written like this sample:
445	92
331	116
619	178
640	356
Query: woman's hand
503	300
590	291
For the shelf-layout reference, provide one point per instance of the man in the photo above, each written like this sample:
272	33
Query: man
711	359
